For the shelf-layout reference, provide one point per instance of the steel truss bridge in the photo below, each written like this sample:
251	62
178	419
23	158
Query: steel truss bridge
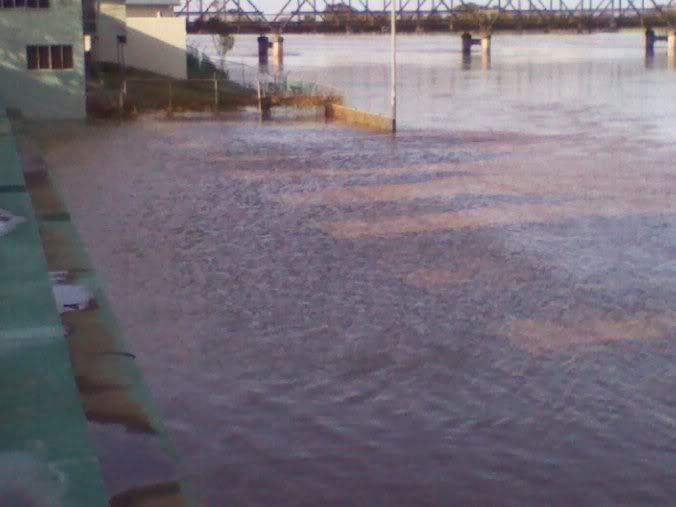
244	15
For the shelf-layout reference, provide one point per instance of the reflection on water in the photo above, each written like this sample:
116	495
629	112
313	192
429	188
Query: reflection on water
542	83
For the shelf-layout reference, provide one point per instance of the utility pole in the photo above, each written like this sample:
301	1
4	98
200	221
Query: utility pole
393	40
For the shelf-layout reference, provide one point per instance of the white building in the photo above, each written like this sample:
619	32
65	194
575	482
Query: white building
141	33
42	58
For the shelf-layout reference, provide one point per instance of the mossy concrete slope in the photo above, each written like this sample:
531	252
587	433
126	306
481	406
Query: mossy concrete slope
137	461
46	457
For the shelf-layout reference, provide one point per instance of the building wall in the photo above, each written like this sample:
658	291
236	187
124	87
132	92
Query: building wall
158	45
111	21
42	93
150	11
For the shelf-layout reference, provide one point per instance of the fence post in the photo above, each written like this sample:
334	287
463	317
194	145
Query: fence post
260	98
215	94
170	106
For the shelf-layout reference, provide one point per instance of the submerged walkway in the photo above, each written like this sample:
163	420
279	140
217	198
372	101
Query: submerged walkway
77	427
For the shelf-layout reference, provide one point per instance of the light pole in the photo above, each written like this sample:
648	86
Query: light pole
393	40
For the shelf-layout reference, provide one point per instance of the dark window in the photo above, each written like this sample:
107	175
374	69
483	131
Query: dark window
67	57
49	57
32	57
31	4
43	57
57	57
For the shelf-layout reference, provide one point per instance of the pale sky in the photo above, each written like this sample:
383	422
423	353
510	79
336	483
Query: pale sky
274	6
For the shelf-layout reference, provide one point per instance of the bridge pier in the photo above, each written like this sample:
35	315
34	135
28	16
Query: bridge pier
263	45
651	38
484	42
277	46
278	50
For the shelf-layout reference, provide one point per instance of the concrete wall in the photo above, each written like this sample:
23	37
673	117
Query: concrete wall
158	45
358	117
42	93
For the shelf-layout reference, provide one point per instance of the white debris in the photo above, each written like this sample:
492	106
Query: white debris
70	296
8	222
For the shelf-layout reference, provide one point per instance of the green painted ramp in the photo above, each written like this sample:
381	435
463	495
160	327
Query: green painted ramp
46	457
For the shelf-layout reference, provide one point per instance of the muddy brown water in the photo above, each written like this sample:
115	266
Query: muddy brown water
328	316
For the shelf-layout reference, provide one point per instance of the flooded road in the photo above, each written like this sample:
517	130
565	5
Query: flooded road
454	316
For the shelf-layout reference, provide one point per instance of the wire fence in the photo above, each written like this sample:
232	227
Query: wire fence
193	94
215	94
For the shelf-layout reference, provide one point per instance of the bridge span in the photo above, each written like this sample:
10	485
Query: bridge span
425	15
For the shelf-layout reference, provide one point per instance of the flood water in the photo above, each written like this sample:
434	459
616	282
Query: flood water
480	311
535	83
